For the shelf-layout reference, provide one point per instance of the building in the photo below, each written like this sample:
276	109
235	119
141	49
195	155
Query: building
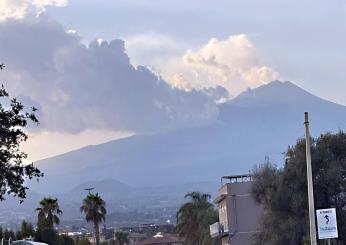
161	239
136	237
238	213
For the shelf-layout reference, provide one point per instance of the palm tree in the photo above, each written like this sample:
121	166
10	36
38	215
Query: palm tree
194	218
121	237
49	212
95	212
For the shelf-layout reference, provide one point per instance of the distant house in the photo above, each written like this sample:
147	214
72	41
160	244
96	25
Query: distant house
238	213
161	239
136	237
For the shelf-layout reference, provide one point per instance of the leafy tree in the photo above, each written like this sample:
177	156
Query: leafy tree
94	208
194	218
25	231
47	235
283	191
122	237
13	172
65	240
82	241
48	216
9	234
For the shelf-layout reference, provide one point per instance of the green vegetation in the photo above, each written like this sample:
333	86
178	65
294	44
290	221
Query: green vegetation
26	231
7	234
94	208
13	173
48	216
194	218
121	237
65	240
49	212
82	241
283	191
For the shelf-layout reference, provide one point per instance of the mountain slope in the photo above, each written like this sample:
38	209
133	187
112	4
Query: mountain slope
258	123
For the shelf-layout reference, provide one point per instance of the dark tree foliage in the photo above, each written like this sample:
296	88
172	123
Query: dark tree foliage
82	241
47	235
65	240
25	231
48	213
283	191
121	237
13	172
194	218
48	216
9	234
94	208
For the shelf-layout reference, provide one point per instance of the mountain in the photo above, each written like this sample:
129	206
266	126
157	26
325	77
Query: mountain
114	191
258	123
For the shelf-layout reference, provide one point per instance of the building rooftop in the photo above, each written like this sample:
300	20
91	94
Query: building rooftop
160	238
236	178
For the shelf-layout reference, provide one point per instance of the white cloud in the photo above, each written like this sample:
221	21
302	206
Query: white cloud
232	63
18	9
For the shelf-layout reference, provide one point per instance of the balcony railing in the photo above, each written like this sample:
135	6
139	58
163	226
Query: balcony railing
217	229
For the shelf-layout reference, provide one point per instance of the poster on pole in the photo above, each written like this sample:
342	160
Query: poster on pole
327	223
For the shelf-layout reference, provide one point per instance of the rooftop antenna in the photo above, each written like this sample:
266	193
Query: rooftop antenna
89	189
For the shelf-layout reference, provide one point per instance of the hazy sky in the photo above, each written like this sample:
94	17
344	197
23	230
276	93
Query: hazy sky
60	57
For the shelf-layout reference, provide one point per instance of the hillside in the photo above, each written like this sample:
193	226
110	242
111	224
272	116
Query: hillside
257	123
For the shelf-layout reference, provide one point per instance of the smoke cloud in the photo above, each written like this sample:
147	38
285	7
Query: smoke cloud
81	87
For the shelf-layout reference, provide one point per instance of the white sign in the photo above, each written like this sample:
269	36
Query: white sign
327	224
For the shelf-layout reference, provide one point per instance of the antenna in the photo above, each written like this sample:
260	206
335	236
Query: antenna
89	189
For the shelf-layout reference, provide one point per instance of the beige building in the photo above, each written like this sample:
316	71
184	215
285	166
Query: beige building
238	212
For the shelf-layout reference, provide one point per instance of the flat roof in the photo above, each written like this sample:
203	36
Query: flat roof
237	178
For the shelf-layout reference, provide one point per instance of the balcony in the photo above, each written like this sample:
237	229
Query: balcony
217	229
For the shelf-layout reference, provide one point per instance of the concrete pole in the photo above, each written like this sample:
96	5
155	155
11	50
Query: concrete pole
313	239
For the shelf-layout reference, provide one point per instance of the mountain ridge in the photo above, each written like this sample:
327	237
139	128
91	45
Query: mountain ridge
204	153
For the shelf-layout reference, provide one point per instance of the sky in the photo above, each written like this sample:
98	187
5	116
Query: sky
106	69
302	40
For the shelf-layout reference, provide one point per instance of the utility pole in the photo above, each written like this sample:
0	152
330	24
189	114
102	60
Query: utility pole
313	239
